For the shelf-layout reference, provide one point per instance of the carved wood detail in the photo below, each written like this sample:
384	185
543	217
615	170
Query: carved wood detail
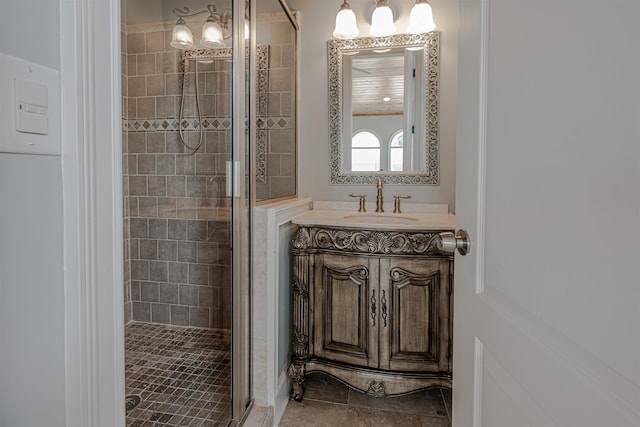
366	241
376	389
302	240
300	345
296	373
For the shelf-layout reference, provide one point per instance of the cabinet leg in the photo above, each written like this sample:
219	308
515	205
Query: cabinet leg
296	373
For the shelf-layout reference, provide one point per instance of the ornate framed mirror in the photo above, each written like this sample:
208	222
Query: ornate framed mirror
383	109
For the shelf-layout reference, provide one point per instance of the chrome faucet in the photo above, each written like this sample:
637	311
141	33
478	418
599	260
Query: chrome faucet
379	201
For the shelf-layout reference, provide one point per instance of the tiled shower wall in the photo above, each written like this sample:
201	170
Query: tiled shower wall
177	219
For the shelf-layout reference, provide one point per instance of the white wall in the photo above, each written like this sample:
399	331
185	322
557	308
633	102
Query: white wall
317	22
32	382
31	292
271	312
30	30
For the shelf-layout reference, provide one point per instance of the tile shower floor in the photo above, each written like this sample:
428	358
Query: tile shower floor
182	375
329	403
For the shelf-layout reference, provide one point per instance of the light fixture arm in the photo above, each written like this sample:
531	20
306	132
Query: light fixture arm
344	5
184	13
224	19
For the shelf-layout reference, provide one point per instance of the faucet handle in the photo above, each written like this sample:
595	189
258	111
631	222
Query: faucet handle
361	208
396	203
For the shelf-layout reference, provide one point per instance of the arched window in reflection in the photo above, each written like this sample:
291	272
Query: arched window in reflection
365	152
396	151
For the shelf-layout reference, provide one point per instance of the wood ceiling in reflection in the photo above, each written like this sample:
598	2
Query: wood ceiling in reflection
373	79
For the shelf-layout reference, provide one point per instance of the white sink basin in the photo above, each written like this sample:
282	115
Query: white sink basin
381	218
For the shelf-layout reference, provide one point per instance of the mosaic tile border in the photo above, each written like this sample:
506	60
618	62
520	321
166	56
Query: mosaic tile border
171	124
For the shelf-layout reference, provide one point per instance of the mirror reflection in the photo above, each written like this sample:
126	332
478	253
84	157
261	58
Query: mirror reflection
383	111
383	96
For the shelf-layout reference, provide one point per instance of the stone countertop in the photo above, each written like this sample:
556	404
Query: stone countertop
413	217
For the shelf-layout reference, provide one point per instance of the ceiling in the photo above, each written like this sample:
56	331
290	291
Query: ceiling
373	78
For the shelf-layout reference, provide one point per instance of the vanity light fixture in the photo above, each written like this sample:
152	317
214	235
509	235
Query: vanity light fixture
421	18
346	26
211	30
382	20
215	30
182	37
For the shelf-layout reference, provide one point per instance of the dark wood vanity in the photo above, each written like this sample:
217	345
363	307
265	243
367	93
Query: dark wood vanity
372	308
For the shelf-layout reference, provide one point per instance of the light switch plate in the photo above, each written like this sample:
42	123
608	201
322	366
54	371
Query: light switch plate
29	107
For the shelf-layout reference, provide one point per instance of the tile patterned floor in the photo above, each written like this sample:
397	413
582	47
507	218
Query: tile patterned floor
329	403
182	375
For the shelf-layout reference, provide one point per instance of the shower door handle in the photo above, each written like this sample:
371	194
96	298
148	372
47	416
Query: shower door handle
233	174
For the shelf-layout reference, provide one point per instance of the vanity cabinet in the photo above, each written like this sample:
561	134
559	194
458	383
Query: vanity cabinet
371	308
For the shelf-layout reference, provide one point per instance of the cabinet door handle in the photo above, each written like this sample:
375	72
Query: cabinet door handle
383	307
373	307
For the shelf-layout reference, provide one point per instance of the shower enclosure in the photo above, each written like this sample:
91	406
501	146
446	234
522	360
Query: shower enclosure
186	134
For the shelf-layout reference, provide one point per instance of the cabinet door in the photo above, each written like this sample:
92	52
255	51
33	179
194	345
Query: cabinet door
345	312
415	326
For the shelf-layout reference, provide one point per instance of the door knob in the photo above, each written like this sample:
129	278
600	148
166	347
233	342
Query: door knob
447	243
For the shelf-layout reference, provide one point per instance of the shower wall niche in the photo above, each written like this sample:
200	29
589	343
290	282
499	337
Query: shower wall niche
177	216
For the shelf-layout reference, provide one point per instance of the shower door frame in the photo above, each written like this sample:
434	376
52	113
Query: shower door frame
241	200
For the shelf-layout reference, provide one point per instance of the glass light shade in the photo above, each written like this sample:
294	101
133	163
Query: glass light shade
382	22
211	34
182	37
421	19
346	26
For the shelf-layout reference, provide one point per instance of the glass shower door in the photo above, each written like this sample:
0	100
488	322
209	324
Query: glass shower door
187	219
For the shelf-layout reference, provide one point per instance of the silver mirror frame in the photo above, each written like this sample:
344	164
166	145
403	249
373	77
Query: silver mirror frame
338	48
